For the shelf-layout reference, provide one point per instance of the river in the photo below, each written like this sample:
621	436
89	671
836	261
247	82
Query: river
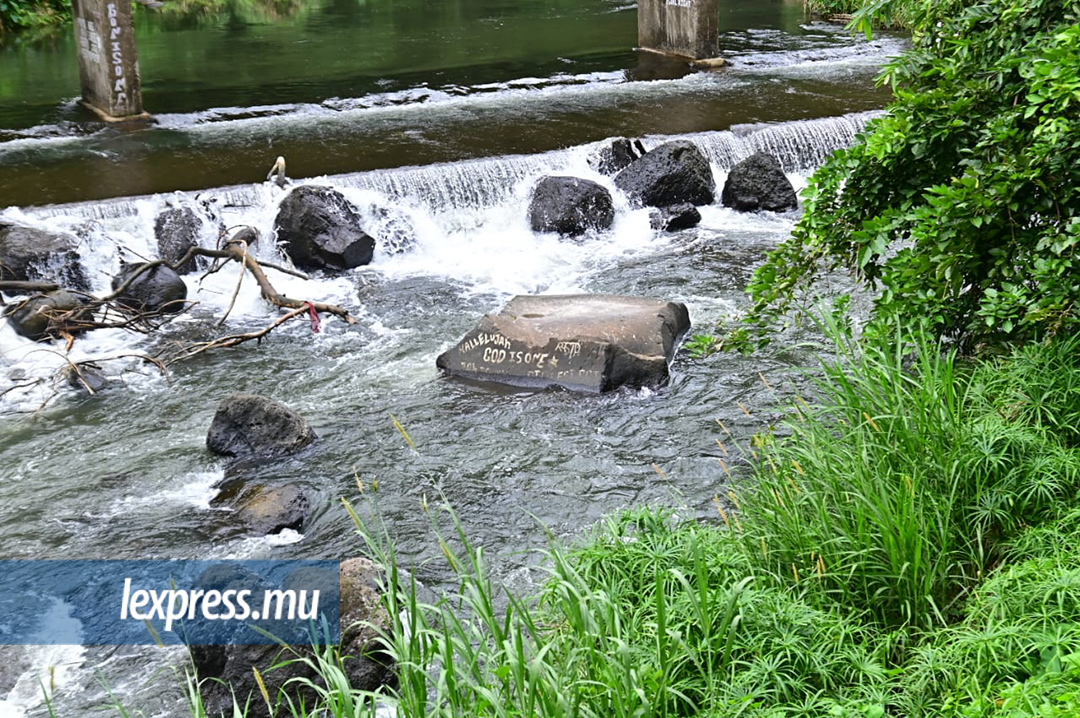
449	116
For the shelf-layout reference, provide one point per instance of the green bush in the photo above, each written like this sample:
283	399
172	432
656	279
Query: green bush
20	14
961	204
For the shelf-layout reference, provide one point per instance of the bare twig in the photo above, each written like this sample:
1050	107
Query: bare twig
188	351
239	282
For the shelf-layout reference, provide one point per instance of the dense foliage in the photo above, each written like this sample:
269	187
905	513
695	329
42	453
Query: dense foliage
962	202
20	14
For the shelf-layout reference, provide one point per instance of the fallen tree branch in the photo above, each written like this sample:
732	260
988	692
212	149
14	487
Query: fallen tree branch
110	311
188	351
237	250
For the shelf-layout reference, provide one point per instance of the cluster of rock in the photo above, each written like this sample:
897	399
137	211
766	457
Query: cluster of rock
596	343
673	179
248	428
34	255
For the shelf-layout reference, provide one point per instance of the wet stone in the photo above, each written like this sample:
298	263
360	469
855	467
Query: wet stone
588	342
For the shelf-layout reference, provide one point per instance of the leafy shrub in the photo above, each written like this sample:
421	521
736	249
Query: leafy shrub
18	14
962	202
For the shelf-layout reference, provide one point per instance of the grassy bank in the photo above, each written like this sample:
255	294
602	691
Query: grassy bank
907	549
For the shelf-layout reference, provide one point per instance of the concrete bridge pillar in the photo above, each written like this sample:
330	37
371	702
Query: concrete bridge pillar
686	28
108	62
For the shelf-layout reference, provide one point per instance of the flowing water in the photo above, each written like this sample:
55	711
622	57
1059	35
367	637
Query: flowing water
454	140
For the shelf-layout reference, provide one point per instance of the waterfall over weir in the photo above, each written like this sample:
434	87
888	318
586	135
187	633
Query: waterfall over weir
798	146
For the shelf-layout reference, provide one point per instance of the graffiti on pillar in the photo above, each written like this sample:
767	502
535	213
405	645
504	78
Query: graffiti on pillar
119	81
89	39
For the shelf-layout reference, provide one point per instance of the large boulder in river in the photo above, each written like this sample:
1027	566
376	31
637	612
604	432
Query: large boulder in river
319	229
178	230
158	289
570	206
246	425
33	317
36	255
672	173
227	670
757	183
586	342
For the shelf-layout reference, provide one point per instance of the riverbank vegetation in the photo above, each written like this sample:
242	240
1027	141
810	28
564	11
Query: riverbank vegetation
25	14
960	205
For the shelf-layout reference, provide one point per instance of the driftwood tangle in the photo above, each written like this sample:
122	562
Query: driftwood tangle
106	312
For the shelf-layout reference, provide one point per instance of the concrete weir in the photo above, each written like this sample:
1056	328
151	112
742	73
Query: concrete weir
584	342
108	62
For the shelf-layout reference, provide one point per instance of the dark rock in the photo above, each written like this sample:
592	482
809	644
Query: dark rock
249	425
228	669
32	318
34	255
757	183
616	155
674	218
570	206
158	289
319	229
263	510
88	378
583	342
178	230
673	173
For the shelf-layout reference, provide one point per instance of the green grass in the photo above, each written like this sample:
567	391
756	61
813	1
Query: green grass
897	490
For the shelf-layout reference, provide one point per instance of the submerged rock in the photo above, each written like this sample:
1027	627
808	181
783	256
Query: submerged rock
392	229
229	668
570	206
159	289
674	218
319	229
757	183
673	173
34	255
264	510
587	342
246	425
33	317
89	378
